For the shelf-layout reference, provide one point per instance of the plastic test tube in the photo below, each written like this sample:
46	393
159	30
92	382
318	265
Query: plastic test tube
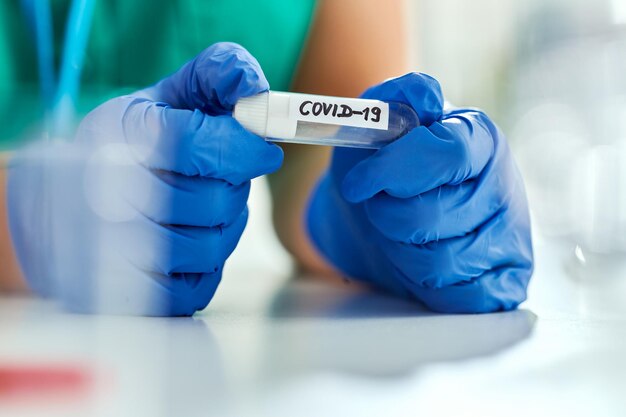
324	120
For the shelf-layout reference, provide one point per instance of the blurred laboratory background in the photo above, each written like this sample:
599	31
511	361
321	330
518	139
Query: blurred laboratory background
553	75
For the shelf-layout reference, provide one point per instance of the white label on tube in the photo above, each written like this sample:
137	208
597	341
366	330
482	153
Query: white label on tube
356	112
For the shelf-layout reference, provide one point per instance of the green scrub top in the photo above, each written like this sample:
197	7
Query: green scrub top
133	44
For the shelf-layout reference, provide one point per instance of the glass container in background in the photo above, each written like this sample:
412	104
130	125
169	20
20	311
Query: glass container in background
569	101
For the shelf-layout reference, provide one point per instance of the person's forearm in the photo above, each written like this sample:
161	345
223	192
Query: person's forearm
373	47
11	279
290	189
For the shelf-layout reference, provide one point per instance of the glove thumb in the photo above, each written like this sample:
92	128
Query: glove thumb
420	91
213	81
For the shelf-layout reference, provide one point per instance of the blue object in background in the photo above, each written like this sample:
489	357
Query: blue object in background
439	215
140	213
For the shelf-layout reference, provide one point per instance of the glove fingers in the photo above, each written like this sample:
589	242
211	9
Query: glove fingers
450	152
502	242
174	199
184	293
447	211
198	249
500	289
442	213
420	91
168	250
213	81
191	143
148	293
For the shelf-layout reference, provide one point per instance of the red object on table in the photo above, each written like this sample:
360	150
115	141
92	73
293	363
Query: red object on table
25	381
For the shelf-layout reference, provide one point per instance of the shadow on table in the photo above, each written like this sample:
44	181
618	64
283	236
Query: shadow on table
310	297
220	362
320	327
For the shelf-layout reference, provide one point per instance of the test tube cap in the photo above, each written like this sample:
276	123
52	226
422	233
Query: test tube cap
251	112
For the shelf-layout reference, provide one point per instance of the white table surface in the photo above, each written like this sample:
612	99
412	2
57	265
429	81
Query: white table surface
270	345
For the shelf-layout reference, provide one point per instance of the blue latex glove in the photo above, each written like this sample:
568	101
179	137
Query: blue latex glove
139	214
439	215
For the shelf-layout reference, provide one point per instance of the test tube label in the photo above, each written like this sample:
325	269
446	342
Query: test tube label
370	114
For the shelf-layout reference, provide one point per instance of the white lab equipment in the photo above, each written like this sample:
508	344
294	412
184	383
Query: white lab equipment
324	120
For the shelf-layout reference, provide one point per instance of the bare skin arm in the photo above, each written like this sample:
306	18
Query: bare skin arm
353	44
11	279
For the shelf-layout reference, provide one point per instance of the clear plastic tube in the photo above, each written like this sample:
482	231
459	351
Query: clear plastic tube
324	120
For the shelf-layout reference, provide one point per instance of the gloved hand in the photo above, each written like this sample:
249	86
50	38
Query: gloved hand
439	215
139	214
